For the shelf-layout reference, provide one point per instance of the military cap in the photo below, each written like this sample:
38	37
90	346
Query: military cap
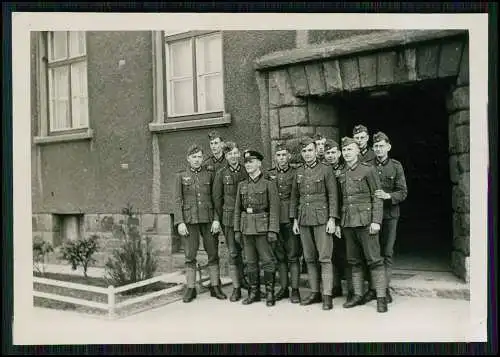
359	129
214	135
306	140
379	136
318	137
330	144
348	141
228	146
281	146
252	154
193	149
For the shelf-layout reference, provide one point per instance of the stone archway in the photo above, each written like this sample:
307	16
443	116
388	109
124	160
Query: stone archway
290	81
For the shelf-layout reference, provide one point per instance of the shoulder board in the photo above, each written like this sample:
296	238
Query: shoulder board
367	163
210	168
396	162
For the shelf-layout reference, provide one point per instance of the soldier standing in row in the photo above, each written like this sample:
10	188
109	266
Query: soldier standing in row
393	192
288	246
194	216
224	196
216	160
314	208
320	141
256	221
361	220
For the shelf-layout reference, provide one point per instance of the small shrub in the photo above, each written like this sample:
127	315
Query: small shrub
41	249
80	252
135	260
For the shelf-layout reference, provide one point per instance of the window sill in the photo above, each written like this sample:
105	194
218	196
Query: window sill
64	138
190	124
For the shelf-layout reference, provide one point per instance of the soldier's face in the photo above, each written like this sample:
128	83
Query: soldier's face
309	153
320	146
350	152
381	149
361	139
216	146
195	159
252	165
282	157
332	155
233	156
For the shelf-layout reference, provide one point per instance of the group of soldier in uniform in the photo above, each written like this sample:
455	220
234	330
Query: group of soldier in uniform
336	206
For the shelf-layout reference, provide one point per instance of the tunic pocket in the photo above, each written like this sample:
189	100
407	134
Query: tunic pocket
365	214
321	215
186	213
319	185
261	222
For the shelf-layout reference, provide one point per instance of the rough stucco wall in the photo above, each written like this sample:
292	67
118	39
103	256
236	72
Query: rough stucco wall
319	36
35	192
242	101
87	176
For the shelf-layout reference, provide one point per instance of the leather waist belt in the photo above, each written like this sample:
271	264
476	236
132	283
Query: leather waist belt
251	210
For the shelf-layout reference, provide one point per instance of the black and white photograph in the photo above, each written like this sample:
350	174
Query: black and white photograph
249	178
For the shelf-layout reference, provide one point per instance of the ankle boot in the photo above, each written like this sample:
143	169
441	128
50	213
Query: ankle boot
295	296
381	304
215	288
369	296
282	293
283	275
236	295
253	292
357	285
242	278
216	292
190	293
313	298
355	301
327	302
269	282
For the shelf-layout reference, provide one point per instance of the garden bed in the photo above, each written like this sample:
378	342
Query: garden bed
100	297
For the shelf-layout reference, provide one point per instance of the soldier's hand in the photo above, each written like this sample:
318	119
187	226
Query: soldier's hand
330	226
337	232
237	237
382	195
215	227
295	228
272	237
374	228
182	229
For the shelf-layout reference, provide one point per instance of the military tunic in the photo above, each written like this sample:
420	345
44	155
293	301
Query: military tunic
214	164
193	206
366	155
314	199
257	212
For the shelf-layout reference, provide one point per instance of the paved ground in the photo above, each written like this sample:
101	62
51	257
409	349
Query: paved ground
207	320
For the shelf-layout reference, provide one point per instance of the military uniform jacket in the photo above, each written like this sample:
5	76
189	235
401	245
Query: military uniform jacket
283	180
213	164
360	207
367	155
224	191
314	197
193	197
393	181
257	207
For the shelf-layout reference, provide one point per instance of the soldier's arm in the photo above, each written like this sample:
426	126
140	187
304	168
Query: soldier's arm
377	203
274	207
178	216
332	191
212	179
218	193
237	210
401	190
294	196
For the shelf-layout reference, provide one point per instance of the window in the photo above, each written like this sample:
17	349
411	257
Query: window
194	75
67	81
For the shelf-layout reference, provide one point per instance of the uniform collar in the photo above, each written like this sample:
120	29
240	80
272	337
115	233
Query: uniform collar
353	166
379	163
364	151
337	165
312	165
198	170
220	159
234	169
256	179
282	170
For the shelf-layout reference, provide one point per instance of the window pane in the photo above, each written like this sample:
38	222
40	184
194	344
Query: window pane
79	94
182	97
181	59
76	43
209	54
59	45
59	97
211	95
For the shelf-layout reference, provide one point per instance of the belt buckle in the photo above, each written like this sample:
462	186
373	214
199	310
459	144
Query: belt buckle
250	210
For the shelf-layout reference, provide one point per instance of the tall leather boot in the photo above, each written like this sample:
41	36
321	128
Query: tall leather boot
294	281
215	288
357	282
269	279
337	281
283	274
252	293
242	276
313	275
235	278
348	281
190	293
378	280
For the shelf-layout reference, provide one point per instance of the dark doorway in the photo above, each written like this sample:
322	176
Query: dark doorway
416	121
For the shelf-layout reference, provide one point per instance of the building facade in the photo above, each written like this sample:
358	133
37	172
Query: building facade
114	112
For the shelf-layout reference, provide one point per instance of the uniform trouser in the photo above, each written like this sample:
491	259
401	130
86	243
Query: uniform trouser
362	246
191	246
287	254
342	269
387	240
318	247
259	250
235	256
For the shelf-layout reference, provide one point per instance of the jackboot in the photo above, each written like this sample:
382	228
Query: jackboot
357	282
235	278
295	296
381	304
379	282
294	282
190	293
215	288
327	302
253	293
269	282
283	274
242	278
235	295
